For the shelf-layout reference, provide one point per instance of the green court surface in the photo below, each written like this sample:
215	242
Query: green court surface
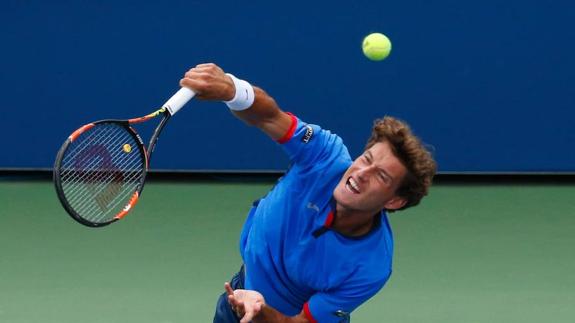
469	253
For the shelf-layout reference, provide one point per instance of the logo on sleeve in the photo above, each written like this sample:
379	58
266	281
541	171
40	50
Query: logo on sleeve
308	134
312	206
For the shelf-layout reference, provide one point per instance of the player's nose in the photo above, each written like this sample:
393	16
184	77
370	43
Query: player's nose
363	173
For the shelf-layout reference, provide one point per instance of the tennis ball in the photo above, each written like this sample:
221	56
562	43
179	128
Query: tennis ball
376	46
127	148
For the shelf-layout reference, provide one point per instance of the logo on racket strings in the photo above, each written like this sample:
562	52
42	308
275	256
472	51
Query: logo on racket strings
100	175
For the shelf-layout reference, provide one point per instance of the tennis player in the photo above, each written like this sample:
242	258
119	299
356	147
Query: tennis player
319	244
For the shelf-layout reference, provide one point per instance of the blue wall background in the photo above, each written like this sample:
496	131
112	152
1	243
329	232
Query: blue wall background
490	84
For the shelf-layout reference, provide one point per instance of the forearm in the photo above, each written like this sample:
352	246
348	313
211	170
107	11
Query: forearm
270	315
265	114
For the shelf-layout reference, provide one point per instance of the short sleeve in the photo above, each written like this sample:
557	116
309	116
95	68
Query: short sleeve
308	144
335	305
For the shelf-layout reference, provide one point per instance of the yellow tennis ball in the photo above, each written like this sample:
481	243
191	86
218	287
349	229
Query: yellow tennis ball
127	148
376	46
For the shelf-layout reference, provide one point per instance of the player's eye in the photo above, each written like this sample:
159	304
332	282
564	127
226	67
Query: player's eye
383	177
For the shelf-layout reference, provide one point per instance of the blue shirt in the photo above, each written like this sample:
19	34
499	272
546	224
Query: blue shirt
291	255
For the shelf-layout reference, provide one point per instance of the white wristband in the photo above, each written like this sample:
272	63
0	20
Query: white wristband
244	97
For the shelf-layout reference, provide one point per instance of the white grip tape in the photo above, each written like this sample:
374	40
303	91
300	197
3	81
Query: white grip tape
178	100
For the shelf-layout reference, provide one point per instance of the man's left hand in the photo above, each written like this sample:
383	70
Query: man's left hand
246	303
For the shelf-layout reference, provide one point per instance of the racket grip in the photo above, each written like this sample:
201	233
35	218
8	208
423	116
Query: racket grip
178	100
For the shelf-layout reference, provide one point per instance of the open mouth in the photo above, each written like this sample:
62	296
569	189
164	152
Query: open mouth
352	186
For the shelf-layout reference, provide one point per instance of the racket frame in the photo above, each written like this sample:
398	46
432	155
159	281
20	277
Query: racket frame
173	105
146	153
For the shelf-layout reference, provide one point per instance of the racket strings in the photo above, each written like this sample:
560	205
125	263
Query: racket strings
72	173
96	201
106	139
92	211
104	176
103	193
101	176
100	172
97	210
77	194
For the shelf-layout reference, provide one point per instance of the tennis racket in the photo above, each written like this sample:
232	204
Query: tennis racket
101	168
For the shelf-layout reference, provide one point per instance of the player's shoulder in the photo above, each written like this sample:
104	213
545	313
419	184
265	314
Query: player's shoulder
311	134
316	151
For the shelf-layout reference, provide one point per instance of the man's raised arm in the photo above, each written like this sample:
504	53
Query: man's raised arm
248	103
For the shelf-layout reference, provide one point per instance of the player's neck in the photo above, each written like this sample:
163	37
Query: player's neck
353	224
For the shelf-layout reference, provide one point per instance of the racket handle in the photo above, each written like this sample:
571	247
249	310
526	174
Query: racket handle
178	100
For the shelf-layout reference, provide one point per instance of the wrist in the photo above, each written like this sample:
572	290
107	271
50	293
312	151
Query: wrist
244	95
260	316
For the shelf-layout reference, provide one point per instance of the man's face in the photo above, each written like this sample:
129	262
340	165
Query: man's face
369	184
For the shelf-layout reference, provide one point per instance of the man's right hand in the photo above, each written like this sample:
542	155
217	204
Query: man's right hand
209	82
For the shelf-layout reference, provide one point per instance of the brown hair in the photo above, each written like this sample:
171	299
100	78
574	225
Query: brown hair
411	152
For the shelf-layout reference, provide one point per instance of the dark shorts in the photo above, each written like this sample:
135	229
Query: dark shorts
224	313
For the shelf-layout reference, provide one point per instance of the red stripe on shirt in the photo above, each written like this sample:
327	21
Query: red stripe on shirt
307	313
289	134
328	220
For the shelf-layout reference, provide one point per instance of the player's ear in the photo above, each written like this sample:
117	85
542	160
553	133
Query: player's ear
396	202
